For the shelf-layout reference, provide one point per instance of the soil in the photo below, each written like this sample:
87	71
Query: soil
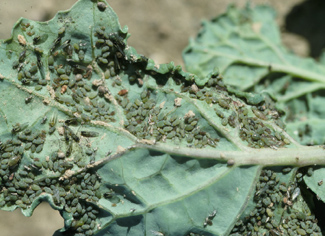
160	30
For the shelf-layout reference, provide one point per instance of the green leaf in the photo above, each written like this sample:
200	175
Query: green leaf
245	47
122	146
315	182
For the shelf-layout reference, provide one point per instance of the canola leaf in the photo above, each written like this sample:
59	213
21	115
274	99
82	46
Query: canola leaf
244	45
120	145
315	182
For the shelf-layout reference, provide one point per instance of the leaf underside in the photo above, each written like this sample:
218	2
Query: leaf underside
114	141
245	46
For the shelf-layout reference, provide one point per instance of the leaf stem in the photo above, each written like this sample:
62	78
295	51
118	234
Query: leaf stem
299	156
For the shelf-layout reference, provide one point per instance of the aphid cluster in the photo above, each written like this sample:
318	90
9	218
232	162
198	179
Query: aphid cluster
147	120
272	195
71	72
257	133
22	183
24	176
71	80
232	113
72	65
28	63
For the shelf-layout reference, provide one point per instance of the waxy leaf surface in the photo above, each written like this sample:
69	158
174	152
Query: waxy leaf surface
122	146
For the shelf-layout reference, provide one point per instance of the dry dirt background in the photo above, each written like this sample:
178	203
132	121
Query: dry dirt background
160	30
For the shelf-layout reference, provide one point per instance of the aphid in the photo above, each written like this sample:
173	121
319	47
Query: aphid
295	193
123	92
28	99
42	82
298	175
106	54
39	148
19	127
171	134
255	137
286	170
282	188
212	215
107	74
50	60
33	148
87	87
101	6
194	123
52	130
320	183
259	114
40	39
219	113
53	119
76	46
81	55
33	69
310	171
64	76
36	39
38	141
112	72
38	87
85	117
92	95
55	43
69	149
223	103
69	131
13	161
189	127
61	30
103	60
72	82
20	66
22	56
224	121
72	121
44	119
15	64
230	162
207	222
66	47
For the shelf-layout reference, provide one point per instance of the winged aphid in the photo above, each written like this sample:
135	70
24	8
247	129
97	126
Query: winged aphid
19	127
89	134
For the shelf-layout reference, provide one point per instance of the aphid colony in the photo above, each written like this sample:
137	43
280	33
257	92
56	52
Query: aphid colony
73	83
145	119
71	79
257	133
29	71
70	73
251	120
22	181
71	66
273	197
